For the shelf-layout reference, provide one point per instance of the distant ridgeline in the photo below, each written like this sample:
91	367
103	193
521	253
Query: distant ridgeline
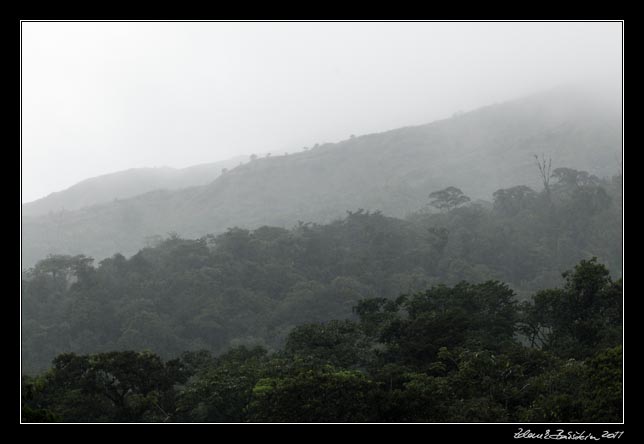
480	152
125	184
253	286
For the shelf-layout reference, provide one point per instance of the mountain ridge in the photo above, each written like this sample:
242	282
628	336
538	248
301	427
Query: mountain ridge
127	183
479	151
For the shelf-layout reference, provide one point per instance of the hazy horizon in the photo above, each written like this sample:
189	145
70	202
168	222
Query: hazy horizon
160	167
105	97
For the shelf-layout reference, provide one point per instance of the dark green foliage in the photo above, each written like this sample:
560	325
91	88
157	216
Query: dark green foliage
584	314
449	354
327	395
603	394
220	391
107	387
341	344
578	391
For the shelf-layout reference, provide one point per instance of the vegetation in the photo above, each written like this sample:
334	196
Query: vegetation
446	304
447	199
448	354
253	287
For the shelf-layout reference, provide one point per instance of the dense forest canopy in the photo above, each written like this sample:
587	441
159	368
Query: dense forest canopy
251	287
447	354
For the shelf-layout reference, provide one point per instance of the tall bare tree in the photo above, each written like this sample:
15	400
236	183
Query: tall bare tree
545	169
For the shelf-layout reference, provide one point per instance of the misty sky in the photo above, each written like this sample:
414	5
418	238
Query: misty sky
103	97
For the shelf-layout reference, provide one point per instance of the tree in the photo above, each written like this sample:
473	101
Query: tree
448	198
447	354
64	266
577	391
545	169
111	387
254	286
510	201
582	317
221	391
338	343
481	315
568	177
326	395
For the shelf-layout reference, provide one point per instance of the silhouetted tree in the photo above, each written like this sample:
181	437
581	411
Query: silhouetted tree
448	198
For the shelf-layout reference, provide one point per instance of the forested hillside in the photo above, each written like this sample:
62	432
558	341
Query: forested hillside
392	172
423	223
253	286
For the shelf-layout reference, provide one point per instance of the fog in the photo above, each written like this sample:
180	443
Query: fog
448	186
103	97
